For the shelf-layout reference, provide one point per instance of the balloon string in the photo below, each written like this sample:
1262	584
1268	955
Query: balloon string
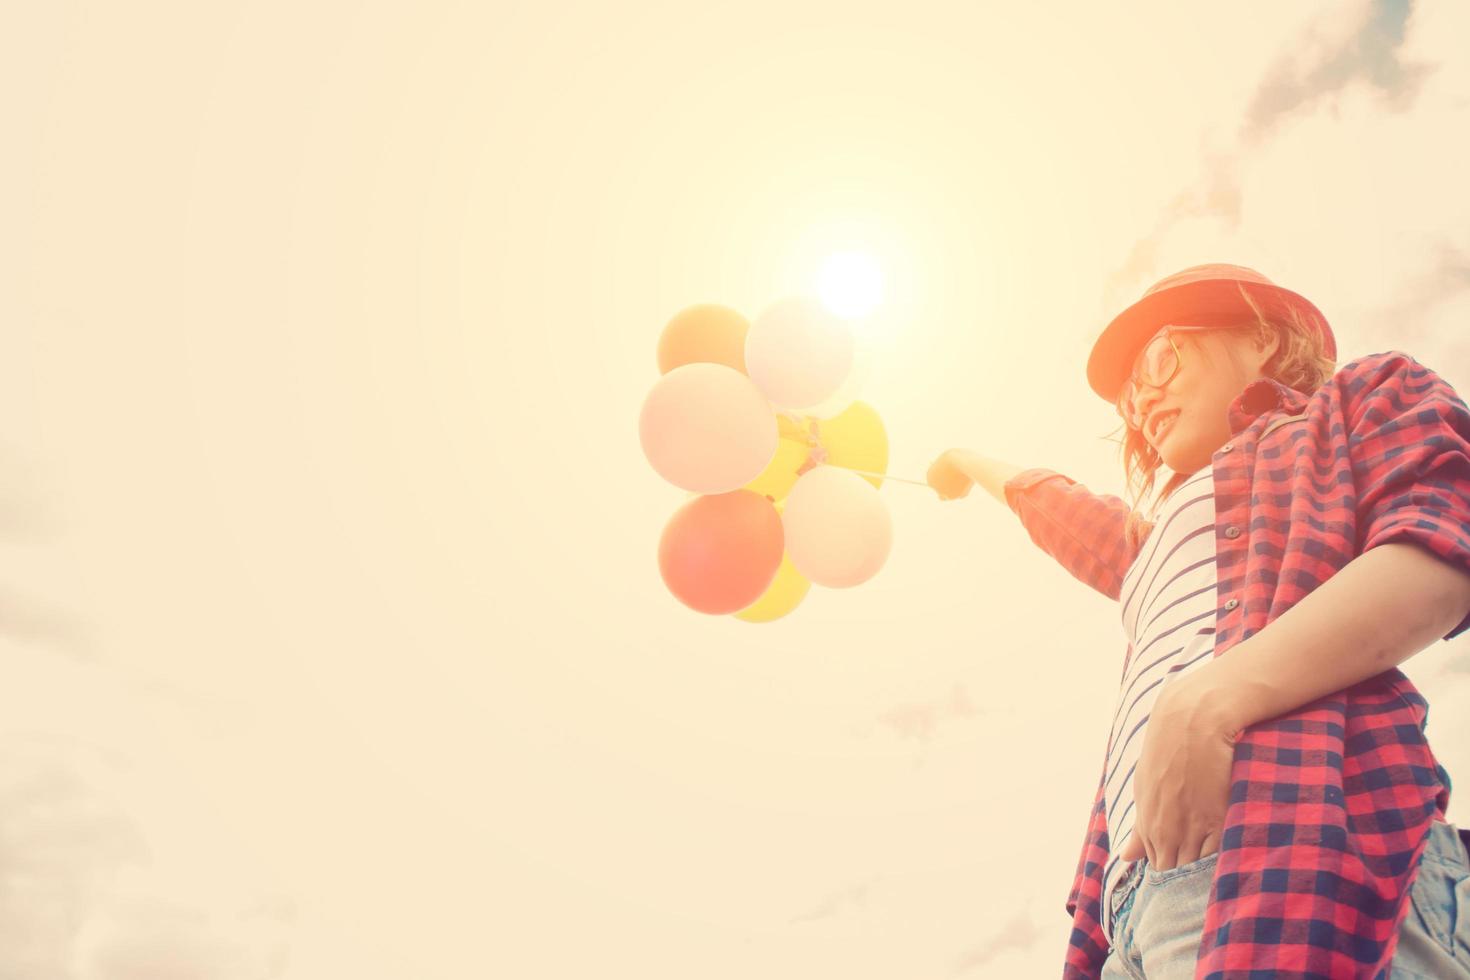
882	476
818	454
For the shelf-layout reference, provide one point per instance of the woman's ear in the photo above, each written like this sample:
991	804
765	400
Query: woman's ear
1266	344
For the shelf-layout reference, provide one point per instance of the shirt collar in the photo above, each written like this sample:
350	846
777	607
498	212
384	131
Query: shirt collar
1260	397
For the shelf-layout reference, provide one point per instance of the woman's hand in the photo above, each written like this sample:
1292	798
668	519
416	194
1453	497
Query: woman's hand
947	478
1181	788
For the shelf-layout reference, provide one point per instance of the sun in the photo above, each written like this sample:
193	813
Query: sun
850	284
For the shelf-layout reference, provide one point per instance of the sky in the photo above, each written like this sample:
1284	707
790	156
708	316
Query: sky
331	627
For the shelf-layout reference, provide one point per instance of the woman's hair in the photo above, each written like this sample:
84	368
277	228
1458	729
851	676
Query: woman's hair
1300	362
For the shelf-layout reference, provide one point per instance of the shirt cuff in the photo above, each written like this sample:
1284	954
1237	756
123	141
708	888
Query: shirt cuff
1025	480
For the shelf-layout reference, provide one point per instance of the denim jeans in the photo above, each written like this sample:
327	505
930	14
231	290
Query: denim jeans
1159	916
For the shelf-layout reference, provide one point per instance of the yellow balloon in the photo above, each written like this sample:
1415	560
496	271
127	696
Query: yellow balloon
779	476
855	439
796	427
784	594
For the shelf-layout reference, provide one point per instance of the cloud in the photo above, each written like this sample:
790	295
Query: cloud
156	926
27	511
1217	195
1313	71
1370	56
918	722
1446	278
91	888
27	518
26	619
1020	933
60	837
849	895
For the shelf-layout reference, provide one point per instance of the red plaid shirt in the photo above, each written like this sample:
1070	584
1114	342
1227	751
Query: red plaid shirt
1330	805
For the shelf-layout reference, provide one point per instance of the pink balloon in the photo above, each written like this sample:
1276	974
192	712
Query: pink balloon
798	352
707	428
838	532
719	554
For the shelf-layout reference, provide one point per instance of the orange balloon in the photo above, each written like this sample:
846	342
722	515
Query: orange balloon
719	553
706	332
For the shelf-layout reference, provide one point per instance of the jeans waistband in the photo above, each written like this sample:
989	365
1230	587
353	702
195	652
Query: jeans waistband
1448	844
1445	843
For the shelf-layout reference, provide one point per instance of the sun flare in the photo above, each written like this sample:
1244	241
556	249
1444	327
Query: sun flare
850	284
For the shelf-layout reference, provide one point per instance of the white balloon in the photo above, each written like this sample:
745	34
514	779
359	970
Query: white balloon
798	352
849	391
707	428
838	532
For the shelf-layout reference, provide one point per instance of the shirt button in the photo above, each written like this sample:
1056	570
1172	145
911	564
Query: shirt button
1232	531
1227	447
1231	604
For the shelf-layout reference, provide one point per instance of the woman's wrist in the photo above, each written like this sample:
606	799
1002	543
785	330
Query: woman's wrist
989	473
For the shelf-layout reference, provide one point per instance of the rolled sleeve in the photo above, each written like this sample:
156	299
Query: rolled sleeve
1410	446
1025	480
1082	530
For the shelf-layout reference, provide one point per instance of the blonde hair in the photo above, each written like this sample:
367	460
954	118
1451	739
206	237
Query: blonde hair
1300	362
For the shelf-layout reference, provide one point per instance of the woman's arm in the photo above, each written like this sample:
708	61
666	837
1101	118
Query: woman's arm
991	474
1377	611
1082	530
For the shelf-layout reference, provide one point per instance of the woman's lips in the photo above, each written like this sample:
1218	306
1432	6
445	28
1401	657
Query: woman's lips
1165	423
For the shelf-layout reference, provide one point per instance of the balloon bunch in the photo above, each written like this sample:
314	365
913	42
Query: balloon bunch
758	420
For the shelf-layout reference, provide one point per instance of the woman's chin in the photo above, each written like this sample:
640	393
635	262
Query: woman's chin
1170	453
1181	462
1166	455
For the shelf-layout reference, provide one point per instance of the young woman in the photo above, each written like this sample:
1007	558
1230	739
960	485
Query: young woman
1278	811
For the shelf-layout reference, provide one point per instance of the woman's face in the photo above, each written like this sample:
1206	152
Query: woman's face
1214	368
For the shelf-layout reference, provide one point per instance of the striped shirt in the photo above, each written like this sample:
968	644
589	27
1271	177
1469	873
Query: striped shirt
1168	603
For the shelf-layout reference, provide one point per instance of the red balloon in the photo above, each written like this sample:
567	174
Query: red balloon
720	552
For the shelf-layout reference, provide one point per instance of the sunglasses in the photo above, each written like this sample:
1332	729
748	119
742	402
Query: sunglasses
1155	366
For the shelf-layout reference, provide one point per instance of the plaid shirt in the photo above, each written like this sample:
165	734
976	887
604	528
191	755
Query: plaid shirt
1330	804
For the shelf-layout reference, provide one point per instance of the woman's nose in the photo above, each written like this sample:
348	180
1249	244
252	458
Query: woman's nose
1144	400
